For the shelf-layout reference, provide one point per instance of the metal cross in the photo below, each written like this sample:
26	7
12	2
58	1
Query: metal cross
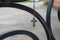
33	22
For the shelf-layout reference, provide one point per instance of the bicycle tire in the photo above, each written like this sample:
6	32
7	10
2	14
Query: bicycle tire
30	10
59	13
12	33
13	0
48	17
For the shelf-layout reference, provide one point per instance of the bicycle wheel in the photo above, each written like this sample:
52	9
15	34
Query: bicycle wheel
59	13
12	33
12	0
38	16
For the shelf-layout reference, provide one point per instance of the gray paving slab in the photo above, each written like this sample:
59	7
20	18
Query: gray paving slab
15	19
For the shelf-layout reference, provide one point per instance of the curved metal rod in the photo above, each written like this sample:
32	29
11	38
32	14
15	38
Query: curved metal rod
48	17
38	16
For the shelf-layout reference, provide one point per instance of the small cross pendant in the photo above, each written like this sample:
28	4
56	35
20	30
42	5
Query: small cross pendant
33	22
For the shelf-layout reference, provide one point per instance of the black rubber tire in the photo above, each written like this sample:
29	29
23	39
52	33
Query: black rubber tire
30	10
48	18
13	0
16	32
59	13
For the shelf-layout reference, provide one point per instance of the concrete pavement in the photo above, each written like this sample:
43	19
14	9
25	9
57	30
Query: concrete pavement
14	19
